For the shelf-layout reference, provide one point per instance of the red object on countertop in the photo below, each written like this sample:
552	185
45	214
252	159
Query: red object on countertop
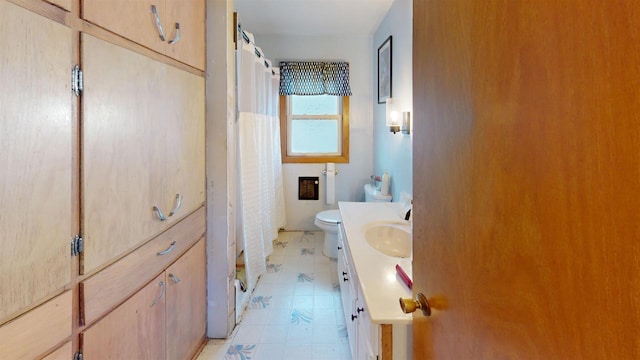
404	276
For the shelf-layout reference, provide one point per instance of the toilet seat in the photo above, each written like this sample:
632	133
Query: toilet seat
329	217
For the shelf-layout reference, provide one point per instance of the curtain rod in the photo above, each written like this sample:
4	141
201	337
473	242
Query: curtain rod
255	49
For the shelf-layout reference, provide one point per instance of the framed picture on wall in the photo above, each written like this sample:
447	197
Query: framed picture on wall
384	71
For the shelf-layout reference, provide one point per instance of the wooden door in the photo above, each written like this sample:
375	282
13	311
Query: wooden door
190	14
527	179
186	303
130	19
184	144
134	330
36	134
123	150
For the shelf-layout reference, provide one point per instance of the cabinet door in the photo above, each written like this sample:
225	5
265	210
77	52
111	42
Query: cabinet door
124	150
190	15
134	330
186	303
65	352
348	299
130	19
36	134
184	160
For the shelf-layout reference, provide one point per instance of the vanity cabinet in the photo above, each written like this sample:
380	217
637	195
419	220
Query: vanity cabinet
359	328
143	146
367	340
181	23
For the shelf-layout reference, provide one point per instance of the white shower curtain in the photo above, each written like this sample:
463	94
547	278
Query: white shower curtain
260	196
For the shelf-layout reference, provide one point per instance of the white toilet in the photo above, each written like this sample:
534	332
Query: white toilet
328	221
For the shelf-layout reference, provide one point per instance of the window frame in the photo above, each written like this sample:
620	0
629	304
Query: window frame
314	158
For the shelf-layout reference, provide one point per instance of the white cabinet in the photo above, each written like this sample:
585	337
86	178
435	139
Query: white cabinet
362	335
367	340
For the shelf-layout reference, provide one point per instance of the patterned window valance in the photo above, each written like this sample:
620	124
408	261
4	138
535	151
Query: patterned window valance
314	78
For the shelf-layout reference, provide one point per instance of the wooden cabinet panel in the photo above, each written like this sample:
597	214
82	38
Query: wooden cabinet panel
186	303
130	19
65	352
134	330
103	291
190	14
123	150
134	20
37	331
36	162
184	159
143	144
65	4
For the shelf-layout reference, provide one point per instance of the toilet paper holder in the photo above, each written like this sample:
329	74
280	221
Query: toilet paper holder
324	172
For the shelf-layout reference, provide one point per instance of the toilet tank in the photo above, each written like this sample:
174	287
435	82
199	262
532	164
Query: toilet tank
372	195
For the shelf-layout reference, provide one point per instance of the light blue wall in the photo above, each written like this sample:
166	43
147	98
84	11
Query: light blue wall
394	151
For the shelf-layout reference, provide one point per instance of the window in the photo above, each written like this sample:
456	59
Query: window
314	128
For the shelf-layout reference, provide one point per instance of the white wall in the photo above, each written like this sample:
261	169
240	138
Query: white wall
394	152
220	163
352	176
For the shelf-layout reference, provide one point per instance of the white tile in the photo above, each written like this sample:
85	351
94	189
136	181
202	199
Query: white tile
325	334
274	334
280	316
345	351
269	352
325	352
303	302
255	317
304	289
324	317
296	352
266	331
300	334
248	334
323	302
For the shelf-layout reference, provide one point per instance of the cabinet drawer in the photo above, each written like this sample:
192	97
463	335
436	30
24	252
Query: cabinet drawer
38	331
107	288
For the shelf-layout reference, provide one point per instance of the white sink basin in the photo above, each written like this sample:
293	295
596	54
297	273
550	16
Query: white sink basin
392	239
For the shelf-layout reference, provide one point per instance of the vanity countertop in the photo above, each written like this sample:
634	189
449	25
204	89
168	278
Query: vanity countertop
380	284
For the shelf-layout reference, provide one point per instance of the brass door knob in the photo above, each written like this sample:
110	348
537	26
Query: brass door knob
410	305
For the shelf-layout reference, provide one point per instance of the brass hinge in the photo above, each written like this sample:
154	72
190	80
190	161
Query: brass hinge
76	80
77	245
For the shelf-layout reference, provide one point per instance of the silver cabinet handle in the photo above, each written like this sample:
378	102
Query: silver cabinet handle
176	38
164	289
159	213
176	205
174	278
158	22
169	249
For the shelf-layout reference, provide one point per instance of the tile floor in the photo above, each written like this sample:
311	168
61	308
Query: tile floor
295	311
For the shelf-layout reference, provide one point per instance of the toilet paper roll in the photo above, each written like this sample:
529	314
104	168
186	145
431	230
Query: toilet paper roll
331	183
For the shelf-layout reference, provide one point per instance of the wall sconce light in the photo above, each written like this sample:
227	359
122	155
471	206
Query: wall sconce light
393	120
